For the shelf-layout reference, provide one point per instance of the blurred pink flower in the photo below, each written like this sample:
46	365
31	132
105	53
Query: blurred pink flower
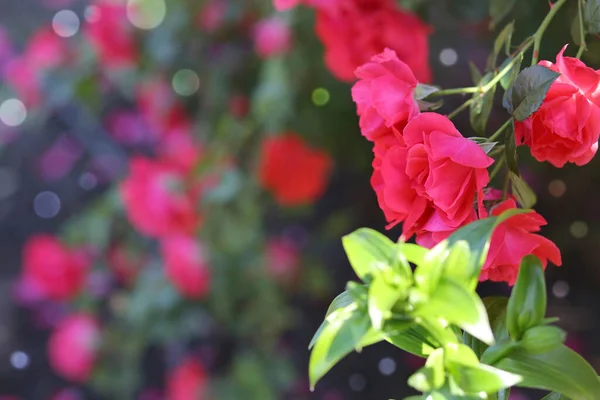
187	381
211	16
186	265
283	259
272	37
73	346
129	128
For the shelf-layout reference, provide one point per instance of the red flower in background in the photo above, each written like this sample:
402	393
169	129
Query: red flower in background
125	263
292	171
359	29
384	95
111	35
157	199
514	239
186	265
73	346
187	382
567	125
58	272
212	15
272	37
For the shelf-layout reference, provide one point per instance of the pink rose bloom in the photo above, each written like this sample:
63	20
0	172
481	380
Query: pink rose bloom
157	199
186	266
432	177
111	35
384	94
272	37
514	239
73	346
212	15
281	5
188	381
359	29
58	272
283	259
567	125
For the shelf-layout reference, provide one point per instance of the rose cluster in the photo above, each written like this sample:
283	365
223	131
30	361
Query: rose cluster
352	31
431	179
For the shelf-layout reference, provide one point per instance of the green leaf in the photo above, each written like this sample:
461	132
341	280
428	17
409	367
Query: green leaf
413	252
503	39
343	334
555	396
529	90
475	73
592	16
457	353
413	339
482	378
527	303
477	234
422	380
382	297
460	307
422	91
429	105
435	362
510	150
481	107
560	370
428	272
366	248
343	300
496	310
499	9
524	194
508	79
457	262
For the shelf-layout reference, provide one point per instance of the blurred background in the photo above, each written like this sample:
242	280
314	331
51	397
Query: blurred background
175	178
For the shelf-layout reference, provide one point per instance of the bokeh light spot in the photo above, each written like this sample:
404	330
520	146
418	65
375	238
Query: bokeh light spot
387	366
320	97
65	23
146	14
88	181
448	57
46	205
557	188
357	382
19	360
13	112
579	229
560	289
186	82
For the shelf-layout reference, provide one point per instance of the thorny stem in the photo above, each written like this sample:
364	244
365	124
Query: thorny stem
540	32
459	109
500	130
582	44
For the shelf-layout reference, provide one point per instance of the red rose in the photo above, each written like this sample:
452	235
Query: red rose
359	29
567	125
431	177
384	94
157	201
292	171
186	265
111	35
514	239
272	37
187	382
60	273
73	346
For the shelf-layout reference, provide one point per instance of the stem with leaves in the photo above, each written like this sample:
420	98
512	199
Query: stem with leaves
539	34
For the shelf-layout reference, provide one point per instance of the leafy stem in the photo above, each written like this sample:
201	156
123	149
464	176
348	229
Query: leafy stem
582	44
459	109
542	29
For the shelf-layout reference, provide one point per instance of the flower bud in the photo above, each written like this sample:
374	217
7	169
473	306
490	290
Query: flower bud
527	303
541	339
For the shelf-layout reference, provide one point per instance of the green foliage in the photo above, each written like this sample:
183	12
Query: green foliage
592	16
527	304
522	191
526	94
481	107
499	9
